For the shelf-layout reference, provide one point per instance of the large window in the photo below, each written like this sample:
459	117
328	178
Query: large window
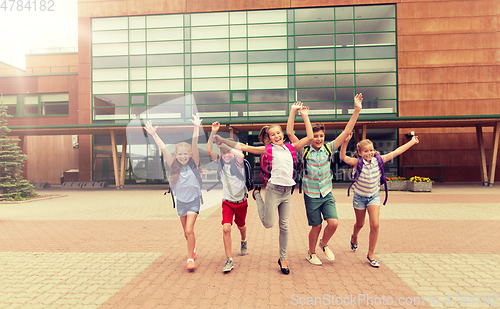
270	58
37	105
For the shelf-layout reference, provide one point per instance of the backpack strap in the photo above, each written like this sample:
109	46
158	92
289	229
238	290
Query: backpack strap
383	181
266	162
303	167
196	171
172	194
329	151
295	162
293	152
357	172
330	157
236	171
248	175
307	150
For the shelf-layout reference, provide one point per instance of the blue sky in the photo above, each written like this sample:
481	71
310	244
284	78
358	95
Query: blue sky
22	31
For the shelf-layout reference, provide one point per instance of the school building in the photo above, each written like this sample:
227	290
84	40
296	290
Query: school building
424	66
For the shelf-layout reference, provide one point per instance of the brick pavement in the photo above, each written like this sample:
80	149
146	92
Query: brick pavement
125	249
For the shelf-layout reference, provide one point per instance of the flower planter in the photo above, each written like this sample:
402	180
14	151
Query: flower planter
420	186
397	185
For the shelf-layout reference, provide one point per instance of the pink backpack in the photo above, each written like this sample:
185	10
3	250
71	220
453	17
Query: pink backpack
267	159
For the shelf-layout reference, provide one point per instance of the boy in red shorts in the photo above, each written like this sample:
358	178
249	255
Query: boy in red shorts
234	202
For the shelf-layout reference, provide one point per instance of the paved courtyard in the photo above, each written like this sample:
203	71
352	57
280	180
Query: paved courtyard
125	248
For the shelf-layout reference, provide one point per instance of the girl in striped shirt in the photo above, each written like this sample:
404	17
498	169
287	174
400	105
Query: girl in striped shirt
366	189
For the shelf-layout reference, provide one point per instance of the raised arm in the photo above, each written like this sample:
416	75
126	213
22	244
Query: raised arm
215	129
358	100
400	150
291	122
343	149
244	147
194	141
304	111
152	131
237	153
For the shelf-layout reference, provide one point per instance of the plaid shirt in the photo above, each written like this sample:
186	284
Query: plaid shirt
317	181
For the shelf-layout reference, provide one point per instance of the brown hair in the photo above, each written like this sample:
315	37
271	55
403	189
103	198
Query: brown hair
264	135
363	143
318	127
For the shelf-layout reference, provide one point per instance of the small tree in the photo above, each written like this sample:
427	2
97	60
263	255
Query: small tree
12	184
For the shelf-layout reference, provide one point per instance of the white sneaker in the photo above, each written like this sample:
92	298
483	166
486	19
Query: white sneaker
328	253
228	266
313	259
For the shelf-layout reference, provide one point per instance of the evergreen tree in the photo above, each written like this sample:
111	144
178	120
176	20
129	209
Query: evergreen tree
12	184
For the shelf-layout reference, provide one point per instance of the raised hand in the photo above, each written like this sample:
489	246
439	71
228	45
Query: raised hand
296	106
304	111
215	126
196	121
415	139
149	128
358	99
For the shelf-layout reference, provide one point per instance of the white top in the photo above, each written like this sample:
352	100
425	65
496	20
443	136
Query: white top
233	188
282	167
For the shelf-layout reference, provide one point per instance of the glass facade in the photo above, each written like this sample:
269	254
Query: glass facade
321	56
245	66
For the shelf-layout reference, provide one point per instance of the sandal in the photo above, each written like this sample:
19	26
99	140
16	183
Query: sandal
353	246
373	263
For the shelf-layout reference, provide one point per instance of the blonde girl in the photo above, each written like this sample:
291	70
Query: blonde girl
279	186
366	189
185	181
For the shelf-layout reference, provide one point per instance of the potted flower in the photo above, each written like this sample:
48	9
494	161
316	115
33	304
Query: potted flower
397	184
420	184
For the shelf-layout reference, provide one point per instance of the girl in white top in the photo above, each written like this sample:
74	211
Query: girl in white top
366	189
279	186
183	179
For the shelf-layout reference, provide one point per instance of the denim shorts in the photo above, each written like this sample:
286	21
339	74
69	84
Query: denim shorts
362	202
184	208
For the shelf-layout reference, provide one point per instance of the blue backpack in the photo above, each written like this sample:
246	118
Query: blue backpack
359	167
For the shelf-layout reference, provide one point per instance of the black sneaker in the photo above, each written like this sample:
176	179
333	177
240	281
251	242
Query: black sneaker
257	188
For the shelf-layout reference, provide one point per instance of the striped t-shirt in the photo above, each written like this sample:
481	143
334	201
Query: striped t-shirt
368	182
317	181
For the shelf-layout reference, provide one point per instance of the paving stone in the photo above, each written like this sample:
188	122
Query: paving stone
125	249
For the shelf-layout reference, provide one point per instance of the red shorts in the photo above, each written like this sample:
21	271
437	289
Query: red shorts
239	211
